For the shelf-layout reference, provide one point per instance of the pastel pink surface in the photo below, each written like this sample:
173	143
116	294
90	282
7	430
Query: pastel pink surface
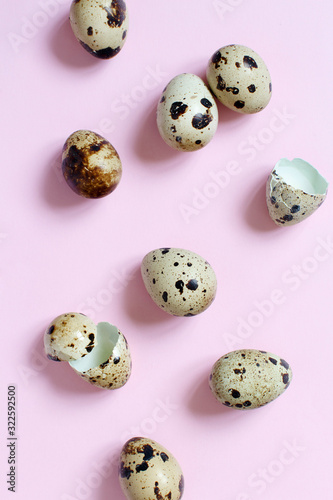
61	253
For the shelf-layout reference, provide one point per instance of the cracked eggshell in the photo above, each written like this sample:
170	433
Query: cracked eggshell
112	365
90	164
69	336
99	354
248	378
187	115
100	26
179	281
148	471
239	78
294	190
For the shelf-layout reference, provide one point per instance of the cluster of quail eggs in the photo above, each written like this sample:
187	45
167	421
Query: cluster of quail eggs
179	281
187	115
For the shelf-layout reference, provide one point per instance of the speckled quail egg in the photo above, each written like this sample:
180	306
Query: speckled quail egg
90	164
100	26
240	79
179	281
294	190
148	471
69	337
248	378
99	354
187	115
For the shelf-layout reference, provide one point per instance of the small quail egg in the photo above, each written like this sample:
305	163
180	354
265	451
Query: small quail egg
99	354
187	115
90	164
148	471
248	378
179	281
240	79
294	190
100	26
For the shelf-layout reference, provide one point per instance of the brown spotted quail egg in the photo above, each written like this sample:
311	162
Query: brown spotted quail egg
239	79
90	164
148	471
294	190
248	378
100	26
98	353
179	281
187	115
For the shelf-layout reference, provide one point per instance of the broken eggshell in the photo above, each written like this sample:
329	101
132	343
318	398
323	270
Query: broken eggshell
179	281
246	379
69	337
149	471
99	354
294	190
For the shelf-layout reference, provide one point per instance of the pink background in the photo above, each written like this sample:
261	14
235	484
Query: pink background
61	253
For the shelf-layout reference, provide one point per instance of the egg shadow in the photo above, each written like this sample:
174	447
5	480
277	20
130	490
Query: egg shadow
228	117
149	145
55	190
138	304
202	401
67	49
256	211
111	483
60	374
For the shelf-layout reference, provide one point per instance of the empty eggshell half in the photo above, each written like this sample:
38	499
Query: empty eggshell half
248	378
294	190
148	471
179	281
187	115
100	26
99	354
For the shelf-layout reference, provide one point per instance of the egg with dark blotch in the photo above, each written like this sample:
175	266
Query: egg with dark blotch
248	378
179	281
239	78
187	115
148	471
97	353
90	164
100	26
